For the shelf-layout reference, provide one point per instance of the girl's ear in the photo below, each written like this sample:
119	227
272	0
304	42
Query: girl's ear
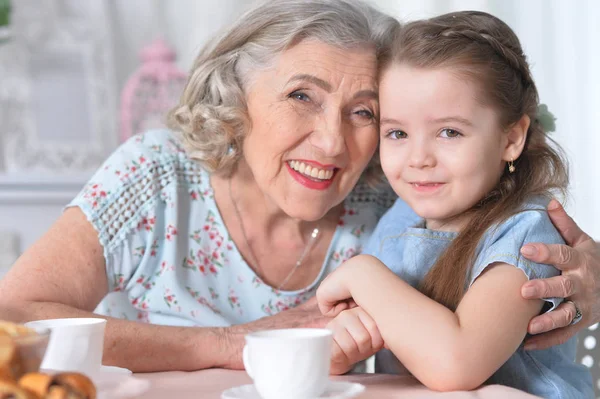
516	136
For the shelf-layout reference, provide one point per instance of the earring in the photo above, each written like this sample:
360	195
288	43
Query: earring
230	149
511	166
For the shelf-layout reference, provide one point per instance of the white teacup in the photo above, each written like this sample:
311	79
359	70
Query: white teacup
76	344
289	363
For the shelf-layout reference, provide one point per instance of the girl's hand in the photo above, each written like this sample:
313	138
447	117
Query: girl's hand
579	282
355	338
333	295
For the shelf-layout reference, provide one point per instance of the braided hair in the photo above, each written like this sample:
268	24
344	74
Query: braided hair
484	50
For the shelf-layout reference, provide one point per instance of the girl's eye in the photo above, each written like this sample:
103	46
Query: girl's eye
300	96
397	134
450	133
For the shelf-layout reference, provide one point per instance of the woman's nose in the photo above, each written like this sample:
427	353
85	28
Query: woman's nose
328	136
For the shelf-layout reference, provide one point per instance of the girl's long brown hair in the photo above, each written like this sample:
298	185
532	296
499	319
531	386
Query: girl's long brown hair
483	49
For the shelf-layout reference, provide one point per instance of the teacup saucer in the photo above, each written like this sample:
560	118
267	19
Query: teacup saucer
335	390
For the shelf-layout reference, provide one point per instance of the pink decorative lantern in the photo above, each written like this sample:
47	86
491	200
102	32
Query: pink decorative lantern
151	91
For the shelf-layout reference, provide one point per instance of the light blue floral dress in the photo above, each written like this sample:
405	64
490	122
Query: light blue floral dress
169	258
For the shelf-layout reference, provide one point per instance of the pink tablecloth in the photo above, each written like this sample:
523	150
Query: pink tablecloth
208	384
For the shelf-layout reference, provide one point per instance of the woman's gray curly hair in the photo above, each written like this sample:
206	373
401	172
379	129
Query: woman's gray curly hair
212	113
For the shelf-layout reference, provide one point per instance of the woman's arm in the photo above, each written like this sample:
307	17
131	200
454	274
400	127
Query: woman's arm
445	350
63	275
579	282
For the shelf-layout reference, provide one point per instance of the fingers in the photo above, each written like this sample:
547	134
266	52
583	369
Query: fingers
562	257
558	318
355	336
549	339
554	287
352	336
332	298
565	225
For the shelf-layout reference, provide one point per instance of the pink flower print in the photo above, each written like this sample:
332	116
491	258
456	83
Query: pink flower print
234	300
359	231
280	306
170	298
269	308
119	283
96	195
139	251
154	247
194	195
189	262
142	159
164	267
206	227
341	223
143	317
212	269
213	293
147	223
146	282
256	282
171	232
352	212
196	236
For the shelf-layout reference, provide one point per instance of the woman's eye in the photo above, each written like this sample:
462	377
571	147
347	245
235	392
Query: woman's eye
450	133
397	134
300	96
365	113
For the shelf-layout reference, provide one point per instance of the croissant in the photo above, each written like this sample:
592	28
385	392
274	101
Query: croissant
58	392
10	390
77	383
59	386
37	383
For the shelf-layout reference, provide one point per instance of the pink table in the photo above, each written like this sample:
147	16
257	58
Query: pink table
208	384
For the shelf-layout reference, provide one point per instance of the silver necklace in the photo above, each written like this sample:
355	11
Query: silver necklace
307	248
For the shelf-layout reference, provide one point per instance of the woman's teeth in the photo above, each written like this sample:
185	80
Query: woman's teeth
311	171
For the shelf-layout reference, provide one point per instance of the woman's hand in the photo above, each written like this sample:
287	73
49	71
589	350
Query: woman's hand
579	282
306	315
355	338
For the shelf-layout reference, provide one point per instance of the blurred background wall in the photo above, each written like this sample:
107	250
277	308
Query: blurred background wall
64	65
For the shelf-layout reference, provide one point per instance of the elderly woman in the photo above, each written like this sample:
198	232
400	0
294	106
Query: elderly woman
227	223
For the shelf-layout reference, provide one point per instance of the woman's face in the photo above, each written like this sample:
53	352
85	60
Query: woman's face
313	126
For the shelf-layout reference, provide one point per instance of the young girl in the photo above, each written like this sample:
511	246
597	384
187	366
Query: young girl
462	145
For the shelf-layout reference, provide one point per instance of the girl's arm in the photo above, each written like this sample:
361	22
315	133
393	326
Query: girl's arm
445	350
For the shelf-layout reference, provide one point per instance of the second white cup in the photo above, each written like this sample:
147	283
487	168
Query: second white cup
289	363
76	344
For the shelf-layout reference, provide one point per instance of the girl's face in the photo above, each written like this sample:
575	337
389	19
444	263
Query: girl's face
441	149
